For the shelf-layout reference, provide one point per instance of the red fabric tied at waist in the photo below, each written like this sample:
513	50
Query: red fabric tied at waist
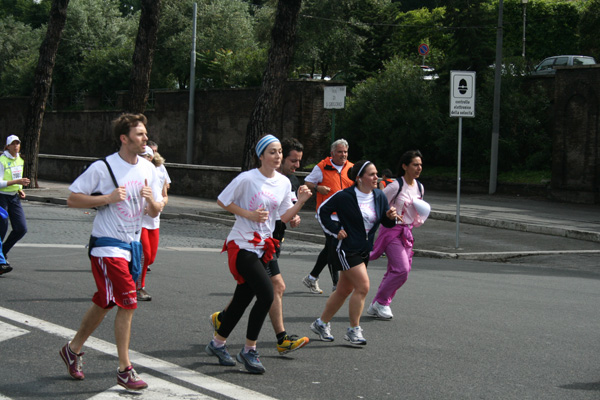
269	247
232	250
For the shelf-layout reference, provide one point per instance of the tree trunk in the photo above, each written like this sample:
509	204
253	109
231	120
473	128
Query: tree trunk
143	56
283	37
41	89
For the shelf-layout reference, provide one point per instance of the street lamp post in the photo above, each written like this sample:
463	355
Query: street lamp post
524	2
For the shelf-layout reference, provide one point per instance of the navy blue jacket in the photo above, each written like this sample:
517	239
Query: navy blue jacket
345	204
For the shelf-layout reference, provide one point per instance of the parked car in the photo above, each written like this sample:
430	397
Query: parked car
314	77
428	73
546	67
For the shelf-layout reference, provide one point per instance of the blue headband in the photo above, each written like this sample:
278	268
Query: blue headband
264	142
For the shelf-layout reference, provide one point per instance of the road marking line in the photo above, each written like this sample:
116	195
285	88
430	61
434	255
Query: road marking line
158	389
8	331
183	374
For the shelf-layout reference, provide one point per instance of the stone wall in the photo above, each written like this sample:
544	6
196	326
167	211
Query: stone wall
576	136
222	115
221	118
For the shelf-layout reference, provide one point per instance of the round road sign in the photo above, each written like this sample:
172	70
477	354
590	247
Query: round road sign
423	49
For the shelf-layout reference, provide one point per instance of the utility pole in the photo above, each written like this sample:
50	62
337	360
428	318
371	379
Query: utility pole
496	112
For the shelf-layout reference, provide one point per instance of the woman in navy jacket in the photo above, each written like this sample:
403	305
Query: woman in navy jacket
360	209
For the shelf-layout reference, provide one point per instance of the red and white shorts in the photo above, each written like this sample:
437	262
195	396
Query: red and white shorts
114	282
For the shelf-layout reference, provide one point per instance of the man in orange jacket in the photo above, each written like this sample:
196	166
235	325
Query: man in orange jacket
328	177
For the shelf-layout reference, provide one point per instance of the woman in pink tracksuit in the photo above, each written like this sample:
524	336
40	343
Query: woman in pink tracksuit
397	242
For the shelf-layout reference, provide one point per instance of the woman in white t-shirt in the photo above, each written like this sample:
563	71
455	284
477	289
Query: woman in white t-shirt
360	209
256	197
150	226
397	242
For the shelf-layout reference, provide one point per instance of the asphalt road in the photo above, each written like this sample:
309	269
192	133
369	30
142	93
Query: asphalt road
523	329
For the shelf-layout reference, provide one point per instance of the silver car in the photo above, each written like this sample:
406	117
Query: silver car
546	67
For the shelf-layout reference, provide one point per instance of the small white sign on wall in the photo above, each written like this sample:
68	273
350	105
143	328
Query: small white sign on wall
334	97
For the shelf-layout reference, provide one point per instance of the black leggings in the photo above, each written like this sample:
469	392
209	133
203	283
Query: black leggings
325	257
257	283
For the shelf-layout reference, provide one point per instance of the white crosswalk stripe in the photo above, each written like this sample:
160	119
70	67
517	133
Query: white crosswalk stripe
8	332
158	389
183	374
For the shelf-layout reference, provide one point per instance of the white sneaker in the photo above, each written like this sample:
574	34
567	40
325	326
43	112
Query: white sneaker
355	336
379	311
311	284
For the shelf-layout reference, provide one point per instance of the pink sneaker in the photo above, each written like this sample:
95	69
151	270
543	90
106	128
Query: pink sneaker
130	380
73	361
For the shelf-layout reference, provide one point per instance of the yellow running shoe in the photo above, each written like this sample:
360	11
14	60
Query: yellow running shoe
214	321
291	343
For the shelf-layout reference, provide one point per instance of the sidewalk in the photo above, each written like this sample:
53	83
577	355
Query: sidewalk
491	227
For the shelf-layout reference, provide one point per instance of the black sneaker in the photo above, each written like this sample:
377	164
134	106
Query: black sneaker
251	361
221	353
5	269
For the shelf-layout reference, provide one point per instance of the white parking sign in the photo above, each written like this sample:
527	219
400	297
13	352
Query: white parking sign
462	94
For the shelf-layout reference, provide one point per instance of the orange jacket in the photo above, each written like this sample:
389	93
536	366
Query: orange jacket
332	178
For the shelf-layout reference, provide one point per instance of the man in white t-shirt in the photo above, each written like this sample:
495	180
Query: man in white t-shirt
122	189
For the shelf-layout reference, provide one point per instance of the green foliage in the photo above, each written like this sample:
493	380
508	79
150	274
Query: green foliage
472	25
589	29
330	36
96	48
397	111
525	143
19	45
420	26
389	114
29	12
551	29
225	36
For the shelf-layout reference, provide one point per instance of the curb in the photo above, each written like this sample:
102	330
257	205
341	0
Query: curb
519	226
206	216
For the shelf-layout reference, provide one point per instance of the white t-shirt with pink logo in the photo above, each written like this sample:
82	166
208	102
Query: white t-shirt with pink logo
122	220
252	190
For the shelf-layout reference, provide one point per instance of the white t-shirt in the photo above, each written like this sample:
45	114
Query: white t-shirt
122	220
163	174
250	190
404	201
316	175
163	177
366	203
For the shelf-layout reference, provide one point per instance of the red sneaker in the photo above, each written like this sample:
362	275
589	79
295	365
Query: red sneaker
73	361
130	380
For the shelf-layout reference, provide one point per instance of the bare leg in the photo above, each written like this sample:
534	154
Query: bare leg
354	281
91	320
360	279
337	298
123	335
276	310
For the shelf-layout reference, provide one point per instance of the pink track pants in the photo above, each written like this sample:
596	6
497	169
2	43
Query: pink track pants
397	243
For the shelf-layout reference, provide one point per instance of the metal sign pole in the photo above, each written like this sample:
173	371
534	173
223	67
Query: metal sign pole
333	125
462	104
458	181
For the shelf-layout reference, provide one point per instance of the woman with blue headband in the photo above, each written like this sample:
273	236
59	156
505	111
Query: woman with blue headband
256	198
360	209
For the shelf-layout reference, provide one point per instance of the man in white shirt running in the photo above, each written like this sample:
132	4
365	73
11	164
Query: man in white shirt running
122	189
